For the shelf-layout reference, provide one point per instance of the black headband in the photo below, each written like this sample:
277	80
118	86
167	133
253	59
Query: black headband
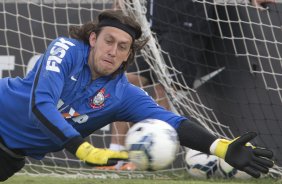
116	23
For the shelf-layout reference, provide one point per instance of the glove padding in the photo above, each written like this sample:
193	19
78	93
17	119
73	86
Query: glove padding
99	157
240	154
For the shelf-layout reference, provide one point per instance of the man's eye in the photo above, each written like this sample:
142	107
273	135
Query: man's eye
123	47
108	41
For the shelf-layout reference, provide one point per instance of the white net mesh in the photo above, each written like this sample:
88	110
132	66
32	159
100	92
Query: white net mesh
237	83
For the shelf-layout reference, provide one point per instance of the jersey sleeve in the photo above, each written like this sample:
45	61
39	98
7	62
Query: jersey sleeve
54	67
137	105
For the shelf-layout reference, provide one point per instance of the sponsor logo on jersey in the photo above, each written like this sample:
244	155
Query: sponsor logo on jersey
57	53
98	100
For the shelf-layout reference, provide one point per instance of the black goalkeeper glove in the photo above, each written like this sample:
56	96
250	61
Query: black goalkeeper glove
240	154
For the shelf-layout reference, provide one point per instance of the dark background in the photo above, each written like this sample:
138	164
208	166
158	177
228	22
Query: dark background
240	95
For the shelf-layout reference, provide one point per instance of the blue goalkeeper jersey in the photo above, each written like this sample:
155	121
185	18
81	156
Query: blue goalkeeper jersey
58	100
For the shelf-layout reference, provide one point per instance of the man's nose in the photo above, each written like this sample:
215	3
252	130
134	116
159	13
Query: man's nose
113	50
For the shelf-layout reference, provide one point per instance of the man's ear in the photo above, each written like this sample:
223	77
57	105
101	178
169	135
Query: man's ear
92	39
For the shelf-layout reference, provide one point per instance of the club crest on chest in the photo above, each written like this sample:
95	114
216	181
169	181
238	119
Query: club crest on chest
98	100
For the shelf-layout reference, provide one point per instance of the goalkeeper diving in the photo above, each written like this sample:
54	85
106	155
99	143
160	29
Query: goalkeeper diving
79	85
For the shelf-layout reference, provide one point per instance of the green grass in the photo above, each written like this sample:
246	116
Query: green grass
58	180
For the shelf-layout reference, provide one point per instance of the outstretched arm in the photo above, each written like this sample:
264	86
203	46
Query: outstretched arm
239	153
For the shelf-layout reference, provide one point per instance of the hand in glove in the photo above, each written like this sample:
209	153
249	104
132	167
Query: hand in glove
99	157
242	155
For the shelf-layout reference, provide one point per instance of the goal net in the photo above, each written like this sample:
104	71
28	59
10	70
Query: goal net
233	86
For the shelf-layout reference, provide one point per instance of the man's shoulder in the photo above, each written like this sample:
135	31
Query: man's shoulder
124	89
123	86
71	53
121	82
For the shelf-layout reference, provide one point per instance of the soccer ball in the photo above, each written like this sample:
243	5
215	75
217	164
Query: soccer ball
152	144
201	165
226	170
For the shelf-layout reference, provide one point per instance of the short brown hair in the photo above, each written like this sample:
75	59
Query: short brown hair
83	32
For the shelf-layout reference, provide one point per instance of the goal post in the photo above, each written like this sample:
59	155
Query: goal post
237	86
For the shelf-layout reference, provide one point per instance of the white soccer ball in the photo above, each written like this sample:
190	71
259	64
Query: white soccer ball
201	165
242	175
226	170
152	144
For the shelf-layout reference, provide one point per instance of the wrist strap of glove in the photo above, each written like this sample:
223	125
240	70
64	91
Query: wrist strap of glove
219	147
73	144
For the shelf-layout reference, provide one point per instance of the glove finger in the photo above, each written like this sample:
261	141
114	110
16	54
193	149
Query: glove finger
252	172
245	138
114	161
263	152
110	162
121	155
259	168
116	156
264	162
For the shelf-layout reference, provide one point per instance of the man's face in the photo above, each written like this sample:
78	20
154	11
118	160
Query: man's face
108	51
